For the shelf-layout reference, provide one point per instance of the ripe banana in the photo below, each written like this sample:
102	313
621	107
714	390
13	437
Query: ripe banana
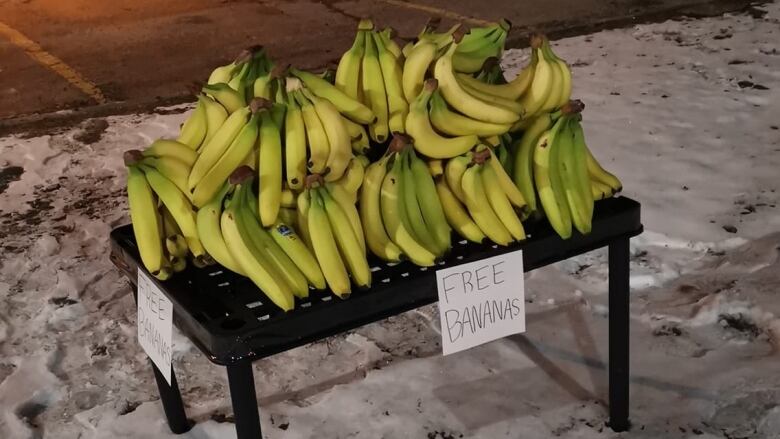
294	145
319	147
523	175
357	135
340	147
392	77
352	179
371	214
208	225
194	128
211	152
556	91
231	99
346	105
456	214
215	117
173	169
505	181
348	71
269	169
346	201
511	90
543	80
464	102
416	65
500	204
296	249
173	149
427	141
325	247
146	223
456	124
374	90
453	173
480	211
347	240
221	74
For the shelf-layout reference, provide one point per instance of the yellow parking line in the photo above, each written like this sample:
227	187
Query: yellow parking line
437	11
46	59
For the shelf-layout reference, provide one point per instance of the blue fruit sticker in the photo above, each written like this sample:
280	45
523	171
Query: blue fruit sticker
284	230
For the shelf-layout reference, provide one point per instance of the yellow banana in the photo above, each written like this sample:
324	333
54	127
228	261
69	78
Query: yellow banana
340	147
556	91
173	169
522	171
456	124
304	201
346	105
208	224
231	99
500	203
453	174
294	145
221	74
427	141
212	151
348	71
511	90
417	62
325	247
215	117
194	128
352	179
505	181
456	214
269	170
296	249
533	101
374	89
480	211
171	148
347	240
346	201
146	223
392	77
435	167
371	214
319	147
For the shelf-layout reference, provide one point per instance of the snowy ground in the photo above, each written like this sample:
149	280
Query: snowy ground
685	112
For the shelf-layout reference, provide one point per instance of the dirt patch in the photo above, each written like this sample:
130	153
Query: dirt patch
91	131
8	175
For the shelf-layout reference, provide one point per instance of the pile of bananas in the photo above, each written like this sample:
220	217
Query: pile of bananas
297	180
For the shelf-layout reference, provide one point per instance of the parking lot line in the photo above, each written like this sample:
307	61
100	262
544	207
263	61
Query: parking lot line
51	62
437	11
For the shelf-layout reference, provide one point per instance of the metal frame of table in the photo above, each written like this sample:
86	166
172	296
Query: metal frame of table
233	324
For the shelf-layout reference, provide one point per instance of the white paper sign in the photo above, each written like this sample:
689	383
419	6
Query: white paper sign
481	301
155	324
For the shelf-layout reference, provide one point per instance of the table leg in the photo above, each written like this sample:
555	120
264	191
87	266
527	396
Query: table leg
242	394
618	334
171	401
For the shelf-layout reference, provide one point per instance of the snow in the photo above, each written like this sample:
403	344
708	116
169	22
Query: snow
685	112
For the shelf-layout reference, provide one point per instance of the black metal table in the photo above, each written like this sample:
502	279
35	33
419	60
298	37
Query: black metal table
233	323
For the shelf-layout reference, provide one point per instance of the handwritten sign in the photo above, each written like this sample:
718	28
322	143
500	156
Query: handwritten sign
155	324
481	301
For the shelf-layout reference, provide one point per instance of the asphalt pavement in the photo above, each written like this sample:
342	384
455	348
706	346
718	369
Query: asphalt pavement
95	57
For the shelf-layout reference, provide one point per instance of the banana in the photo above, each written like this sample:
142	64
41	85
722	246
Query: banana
352	179
455	124
173	169
440	39
456	214
212	151
430	205
453	173
548	181
594	168
477	38
374	89
371	214
225	95
464	102
411	207
345	104
234	155
387	40
287	199
347	203
340	147
350	246
357	135
523	167
600	190
319	146
179	206
171	148
581	176
296	249
207	222
505	181
215	117
325	247
194	128
575	193
541	87
392	77
269	170
565	79
480	211
556	91
294	145
417	62
348	71
304	202
407	50
253	263
427	141
500	204
146	223
221	74
472	60
435	167
237	81
288	215
390	205
511	90
498	101
263	242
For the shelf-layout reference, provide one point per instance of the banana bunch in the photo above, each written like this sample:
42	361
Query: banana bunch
555	170
479	44
162	215
331	225
547	78
274	258
480	199
400	209
370	73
